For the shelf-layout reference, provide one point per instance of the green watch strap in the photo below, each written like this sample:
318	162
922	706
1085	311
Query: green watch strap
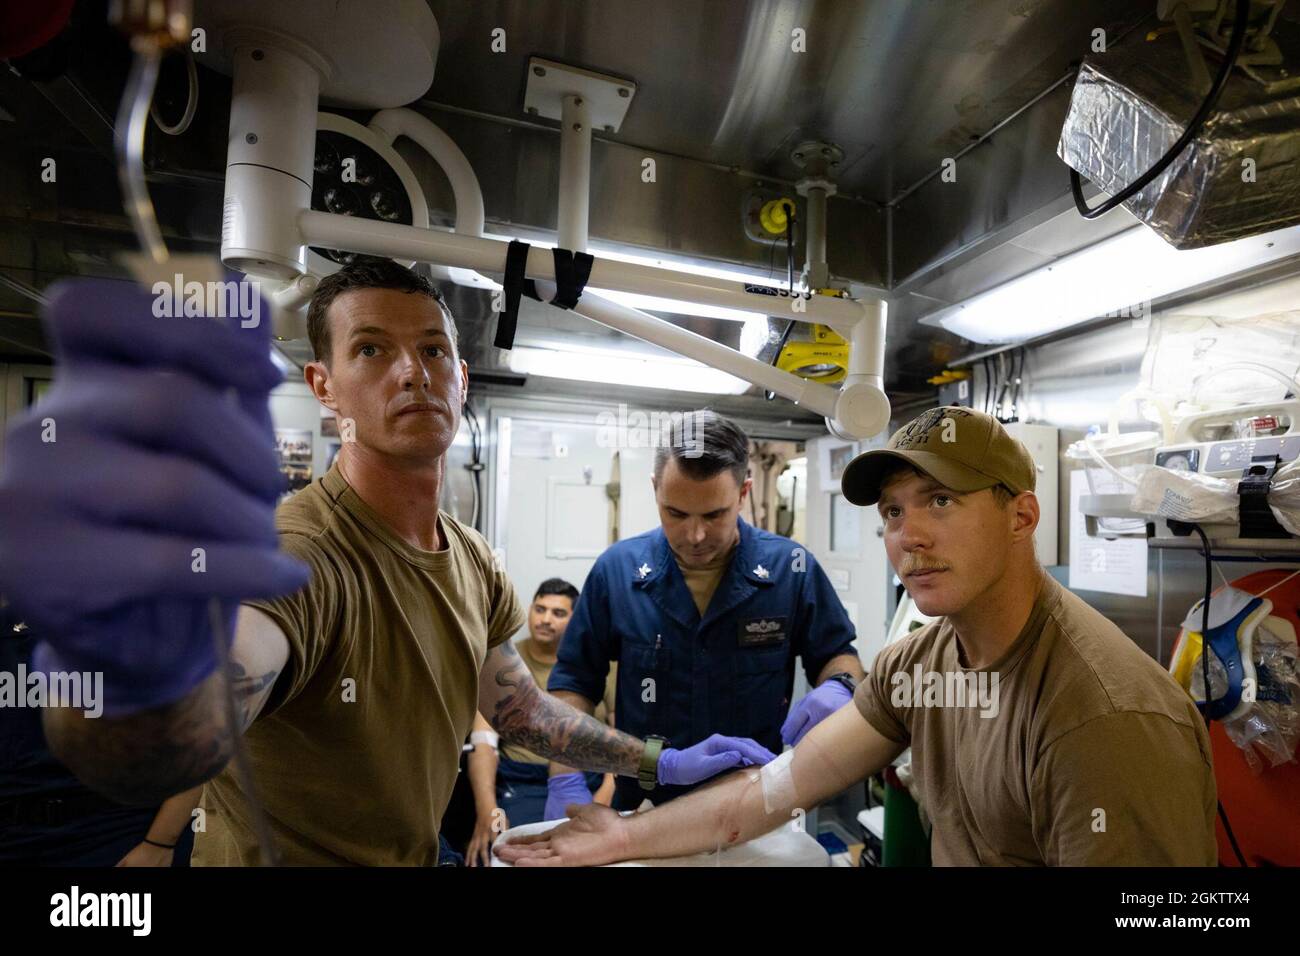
648	773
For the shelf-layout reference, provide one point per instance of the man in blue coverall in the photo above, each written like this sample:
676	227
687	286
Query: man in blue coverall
705	615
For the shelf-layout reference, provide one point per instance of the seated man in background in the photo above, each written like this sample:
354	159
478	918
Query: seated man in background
1040	733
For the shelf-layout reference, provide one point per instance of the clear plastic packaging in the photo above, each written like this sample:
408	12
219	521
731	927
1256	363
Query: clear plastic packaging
1186	496
1284	496
1270	728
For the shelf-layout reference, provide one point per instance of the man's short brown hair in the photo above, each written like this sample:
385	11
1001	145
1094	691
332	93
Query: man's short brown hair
366	272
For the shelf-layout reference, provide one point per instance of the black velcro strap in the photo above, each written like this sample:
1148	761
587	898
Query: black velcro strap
516	283
572	269
1257	519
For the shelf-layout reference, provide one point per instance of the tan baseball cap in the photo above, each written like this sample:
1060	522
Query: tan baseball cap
961	448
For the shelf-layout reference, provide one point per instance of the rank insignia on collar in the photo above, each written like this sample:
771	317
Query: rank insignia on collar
642	571
761	572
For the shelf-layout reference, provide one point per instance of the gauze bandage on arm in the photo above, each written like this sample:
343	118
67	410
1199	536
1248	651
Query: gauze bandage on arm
778	784
491	738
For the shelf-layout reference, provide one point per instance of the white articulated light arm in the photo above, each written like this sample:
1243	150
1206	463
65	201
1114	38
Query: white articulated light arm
390	125
858	410
648	328
268	223
488	255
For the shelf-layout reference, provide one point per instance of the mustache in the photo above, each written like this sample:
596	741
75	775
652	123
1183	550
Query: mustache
913	565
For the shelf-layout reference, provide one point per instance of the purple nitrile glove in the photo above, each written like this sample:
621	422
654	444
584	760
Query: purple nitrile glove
814	707
154	442
562	790
709	758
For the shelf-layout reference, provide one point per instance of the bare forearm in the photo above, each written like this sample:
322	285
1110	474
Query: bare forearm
144	758
837	752
722	814
483	762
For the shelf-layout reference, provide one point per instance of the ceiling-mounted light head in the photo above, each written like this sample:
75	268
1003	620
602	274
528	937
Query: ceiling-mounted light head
357	174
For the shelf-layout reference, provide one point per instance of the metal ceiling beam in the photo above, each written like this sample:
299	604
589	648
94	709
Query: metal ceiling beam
22	288
24	332
81	110
611	141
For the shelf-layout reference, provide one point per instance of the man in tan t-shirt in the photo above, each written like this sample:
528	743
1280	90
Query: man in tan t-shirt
355	692
1040	733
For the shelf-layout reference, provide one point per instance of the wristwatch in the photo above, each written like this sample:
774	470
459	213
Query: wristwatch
845	678
648	773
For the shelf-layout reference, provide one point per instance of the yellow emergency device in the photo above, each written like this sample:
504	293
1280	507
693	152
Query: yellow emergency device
824	360
772	216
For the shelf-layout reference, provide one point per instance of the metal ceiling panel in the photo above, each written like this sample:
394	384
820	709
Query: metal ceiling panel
898	84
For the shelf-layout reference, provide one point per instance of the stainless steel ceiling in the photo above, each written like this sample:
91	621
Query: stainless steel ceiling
898	84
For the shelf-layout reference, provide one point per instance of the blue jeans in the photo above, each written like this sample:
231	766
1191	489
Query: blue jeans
447	855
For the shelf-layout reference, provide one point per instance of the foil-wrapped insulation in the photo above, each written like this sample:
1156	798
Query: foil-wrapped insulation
1131	104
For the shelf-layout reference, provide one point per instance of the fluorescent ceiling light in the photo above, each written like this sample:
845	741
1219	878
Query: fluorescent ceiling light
1120	276
610	367
654	303
734	273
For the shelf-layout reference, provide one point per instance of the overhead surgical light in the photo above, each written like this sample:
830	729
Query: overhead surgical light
1119	277
285	59
355	173
624	367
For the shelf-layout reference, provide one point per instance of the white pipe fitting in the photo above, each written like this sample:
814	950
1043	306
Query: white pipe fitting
575	174
272	143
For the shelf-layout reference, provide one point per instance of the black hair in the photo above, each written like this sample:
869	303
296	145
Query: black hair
703	443
557	586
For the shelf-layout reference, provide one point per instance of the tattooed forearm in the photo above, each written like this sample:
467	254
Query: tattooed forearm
525	715
553	729
147	757
144	758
